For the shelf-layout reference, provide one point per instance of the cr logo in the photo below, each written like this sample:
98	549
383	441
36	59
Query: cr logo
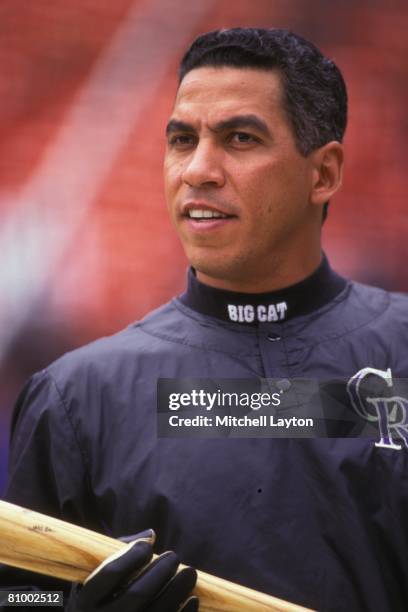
389	412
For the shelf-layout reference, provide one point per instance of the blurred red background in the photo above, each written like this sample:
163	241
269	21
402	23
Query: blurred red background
86	87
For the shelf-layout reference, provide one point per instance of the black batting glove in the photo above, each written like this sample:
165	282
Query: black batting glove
128	582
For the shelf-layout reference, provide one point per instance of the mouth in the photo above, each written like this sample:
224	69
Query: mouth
201	217
199	212
202	214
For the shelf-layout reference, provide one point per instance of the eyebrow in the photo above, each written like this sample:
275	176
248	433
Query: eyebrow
178	126
235	122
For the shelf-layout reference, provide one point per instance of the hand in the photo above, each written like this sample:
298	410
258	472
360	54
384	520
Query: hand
127	582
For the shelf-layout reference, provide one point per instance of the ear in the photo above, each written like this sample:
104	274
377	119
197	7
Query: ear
327	172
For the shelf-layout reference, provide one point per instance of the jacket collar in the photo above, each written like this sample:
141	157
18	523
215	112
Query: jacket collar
253	308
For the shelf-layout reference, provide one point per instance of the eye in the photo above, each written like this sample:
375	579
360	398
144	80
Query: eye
243	138
181	141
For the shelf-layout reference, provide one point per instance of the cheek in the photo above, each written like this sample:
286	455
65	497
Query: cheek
171	174
259	191
271	200
280	187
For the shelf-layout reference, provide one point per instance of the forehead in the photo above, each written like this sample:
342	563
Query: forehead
217	91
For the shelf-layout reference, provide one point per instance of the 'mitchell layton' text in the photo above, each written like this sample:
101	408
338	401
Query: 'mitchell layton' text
244	421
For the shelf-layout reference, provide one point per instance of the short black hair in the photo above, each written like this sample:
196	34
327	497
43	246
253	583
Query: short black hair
315	95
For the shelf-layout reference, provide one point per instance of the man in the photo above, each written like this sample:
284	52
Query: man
253	157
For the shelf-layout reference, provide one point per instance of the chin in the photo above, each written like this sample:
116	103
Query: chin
221	268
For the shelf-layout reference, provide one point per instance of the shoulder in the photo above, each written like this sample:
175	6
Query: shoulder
358	309
362	325
375	321
130	355
384	307
131	343
89	376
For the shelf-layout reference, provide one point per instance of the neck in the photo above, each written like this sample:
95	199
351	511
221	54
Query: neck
262	308
281	273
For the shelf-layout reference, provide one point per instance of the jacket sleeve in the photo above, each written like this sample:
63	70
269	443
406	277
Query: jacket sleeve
46	468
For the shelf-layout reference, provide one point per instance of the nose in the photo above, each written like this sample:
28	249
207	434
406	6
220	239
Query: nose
204	167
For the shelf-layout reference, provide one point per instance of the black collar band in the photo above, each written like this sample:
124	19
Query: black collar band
253	308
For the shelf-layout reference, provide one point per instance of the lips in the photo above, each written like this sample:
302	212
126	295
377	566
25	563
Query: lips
201	211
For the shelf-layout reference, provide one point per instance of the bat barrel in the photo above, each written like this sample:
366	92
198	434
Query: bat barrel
38	543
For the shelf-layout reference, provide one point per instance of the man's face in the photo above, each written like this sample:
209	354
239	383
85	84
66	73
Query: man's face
237	188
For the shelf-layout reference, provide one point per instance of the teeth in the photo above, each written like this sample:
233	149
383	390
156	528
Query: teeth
198	213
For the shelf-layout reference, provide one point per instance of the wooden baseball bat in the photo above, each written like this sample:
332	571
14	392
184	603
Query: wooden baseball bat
39	543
